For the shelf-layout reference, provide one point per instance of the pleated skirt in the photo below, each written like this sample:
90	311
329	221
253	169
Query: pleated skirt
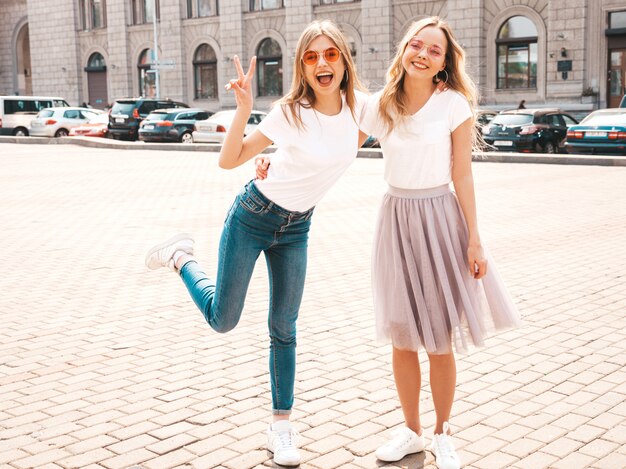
424	295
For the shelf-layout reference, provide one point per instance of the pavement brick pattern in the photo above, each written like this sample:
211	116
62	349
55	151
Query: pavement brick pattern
104	364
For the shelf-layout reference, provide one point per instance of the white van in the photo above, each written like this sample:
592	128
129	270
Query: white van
16	112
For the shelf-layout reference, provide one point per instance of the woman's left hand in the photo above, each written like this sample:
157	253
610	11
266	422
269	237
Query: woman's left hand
477	261
261	163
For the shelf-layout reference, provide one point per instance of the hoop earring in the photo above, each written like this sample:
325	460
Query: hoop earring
436	78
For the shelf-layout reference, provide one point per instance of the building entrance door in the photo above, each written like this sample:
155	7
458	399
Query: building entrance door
617	75
97	86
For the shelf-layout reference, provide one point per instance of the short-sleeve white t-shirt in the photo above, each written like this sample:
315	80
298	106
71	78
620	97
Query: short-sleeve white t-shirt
418	152
308	161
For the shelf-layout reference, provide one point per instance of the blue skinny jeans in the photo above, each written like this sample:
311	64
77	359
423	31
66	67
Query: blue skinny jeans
255	224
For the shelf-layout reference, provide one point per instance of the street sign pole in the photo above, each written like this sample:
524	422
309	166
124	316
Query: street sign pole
156	49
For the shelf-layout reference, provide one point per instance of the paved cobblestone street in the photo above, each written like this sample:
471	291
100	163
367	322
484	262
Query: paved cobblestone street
104	364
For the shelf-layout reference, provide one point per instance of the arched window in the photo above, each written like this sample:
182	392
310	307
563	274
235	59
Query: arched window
147	85
205	72
270	68
96	62
517	54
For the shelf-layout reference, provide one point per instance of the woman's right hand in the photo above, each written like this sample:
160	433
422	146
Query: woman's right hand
242	86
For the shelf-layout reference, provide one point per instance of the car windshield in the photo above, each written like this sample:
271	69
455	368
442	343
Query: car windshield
46	113
605	118
123	108
512	119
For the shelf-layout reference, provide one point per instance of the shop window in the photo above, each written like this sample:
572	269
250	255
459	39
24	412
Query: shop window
147	79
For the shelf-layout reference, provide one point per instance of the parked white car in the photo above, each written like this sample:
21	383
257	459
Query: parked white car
17	112
213	129
58	121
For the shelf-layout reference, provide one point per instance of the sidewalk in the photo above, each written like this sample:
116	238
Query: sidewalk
104	364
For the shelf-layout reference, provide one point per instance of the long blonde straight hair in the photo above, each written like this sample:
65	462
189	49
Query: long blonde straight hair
301	94
393	101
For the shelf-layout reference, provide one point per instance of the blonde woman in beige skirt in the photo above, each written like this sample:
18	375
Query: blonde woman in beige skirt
433	287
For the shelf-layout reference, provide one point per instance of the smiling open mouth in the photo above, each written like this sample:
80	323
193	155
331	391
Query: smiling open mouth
324	78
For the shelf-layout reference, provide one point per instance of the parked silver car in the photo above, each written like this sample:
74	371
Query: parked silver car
58	121
213	129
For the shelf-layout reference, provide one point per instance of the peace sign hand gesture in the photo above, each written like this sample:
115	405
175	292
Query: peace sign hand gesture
242	86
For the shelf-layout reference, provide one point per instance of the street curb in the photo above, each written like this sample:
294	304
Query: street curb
492	157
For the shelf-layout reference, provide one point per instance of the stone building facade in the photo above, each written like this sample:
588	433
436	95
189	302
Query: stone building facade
568	53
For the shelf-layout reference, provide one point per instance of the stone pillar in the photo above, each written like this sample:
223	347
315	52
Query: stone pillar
54	49
466	19
298	14
13	14
566	30
377	36
119	71
231	41
172	83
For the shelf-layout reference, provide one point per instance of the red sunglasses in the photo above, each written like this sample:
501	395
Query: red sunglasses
311	57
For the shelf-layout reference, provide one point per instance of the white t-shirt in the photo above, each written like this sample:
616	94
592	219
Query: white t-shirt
418	152
308	161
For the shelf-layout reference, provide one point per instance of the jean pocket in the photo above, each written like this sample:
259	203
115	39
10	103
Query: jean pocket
251	203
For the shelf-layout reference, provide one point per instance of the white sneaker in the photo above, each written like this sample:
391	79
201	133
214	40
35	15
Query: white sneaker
443	449
403	441
282	440
161	254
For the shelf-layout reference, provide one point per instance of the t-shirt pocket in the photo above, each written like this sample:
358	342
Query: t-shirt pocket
436	132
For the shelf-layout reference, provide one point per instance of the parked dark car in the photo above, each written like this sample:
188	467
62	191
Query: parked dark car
484	117
528	130
623	101
601	131
126	115
171	125
371	142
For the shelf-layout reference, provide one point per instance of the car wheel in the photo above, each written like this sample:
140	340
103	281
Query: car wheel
20	132
549	147
61	133
186	138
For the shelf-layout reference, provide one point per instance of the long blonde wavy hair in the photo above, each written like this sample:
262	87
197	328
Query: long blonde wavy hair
393	101
301	94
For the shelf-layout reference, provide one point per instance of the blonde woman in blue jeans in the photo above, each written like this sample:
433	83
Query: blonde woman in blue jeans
316	133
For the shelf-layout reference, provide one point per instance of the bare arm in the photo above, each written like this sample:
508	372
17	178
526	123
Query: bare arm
464	187
236	149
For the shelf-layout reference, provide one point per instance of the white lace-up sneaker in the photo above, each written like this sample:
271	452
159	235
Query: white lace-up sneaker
443	449
403	441
282	440
161	254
